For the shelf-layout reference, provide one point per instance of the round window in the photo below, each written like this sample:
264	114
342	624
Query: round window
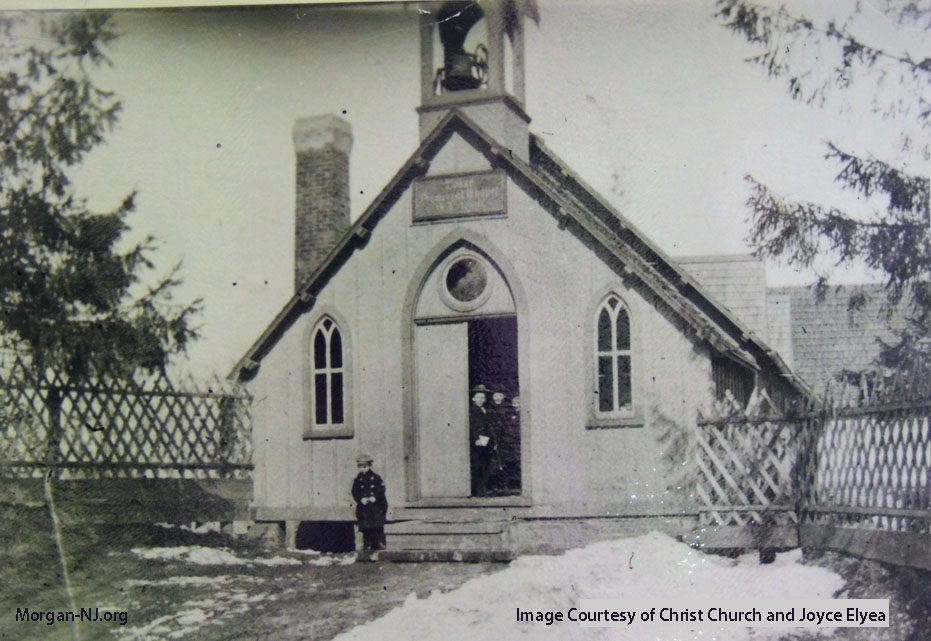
466	279
466	282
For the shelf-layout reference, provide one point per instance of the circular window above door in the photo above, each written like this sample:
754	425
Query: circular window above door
466	282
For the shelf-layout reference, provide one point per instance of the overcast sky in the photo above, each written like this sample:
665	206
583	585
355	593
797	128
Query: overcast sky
650	102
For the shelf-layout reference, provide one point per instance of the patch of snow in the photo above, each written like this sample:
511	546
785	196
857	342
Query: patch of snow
181	580
242	597
201	555
277	560
204	528
650	568
213	609
153	630
334	560
307	552
197	554
192	617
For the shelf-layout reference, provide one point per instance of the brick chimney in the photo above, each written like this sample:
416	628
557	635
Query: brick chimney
322	146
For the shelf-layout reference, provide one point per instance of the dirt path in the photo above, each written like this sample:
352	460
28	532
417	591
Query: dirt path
287	602
195	586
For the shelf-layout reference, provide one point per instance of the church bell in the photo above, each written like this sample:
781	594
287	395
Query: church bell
461	70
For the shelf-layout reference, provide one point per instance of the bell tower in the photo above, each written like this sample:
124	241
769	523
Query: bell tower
472	59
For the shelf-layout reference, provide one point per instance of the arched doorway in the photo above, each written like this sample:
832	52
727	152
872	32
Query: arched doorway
465	336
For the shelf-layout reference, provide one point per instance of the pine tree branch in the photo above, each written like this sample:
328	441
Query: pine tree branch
907	194
842	59
801	232
759	24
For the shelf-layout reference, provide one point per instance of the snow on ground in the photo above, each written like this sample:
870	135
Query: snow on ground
200	555
334	560
651	568
189	581
215	611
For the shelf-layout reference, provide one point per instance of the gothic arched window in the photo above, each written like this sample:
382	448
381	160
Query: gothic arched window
328	381
613	359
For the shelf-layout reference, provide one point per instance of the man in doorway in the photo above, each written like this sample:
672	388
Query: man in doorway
497	420
510	445
368	491
481	440
497	401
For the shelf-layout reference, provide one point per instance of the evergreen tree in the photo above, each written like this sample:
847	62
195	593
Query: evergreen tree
73	296
838	61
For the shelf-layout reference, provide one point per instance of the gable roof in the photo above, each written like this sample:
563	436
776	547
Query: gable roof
577	207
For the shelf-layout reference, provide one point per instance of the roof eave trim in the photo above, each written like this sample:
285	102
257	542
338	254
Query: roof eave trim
745	336
356	236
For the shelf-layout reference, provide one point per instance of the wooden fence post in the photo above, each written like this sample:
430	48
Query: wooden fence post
52	402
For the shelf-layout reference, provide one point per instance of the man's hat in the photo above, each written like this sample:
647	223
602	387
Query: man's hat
480	388
363	458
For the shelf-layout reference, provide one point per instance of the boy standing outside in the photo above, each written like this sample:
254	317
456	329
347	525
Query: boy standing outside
368	491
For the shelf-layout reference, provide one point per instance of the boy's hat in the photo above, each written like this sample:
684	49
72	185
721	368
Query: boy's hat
363	458
480	388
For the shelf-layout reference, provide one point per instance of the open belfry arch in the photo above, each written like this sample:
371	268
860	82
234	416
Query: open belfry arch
485	262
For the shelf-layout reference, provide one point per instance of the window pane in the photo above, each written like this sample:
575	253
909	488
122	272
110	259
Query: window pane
623	382
320	399
623	330
336	349
466	279
337	391
319	350
604	331
605	385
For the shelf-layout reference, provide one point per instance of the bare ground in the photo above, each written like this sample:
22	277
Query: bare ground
176	599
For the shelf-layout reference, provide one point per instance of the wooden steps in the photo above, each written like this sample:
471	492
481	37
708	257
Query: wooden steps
498	534
447	538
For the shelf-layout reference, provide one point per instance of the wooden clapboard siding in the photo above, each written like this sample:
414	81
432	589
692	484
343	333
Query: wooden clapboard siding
563	280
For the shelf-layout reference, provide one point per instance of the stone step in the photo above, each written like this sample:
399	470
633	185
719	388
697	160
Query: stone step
446	527
452	513
456	542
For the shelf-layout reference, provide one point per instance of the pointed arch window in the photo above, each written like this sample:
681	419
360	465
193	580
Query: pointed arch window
328	383
613	367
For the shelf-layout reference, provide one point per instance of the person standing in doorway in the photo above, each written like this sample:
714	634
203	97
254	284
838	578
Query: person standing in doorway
511	444
497	417
481	440
368	491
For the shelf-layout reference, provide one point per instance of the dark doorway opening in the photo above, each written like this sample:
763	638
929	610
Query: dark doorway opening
493	363
326	536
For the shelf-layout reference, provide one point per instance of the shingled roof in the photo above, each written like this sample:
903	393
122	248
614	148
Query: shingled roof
828	337
578	208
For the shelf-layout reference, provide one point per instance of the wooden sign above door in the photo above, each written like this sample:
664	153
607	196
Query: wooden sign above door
460	196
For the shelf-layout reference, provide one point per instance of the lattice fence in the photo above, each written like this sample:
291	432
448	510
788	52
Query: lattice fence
137	427
871	468
862	460
747	470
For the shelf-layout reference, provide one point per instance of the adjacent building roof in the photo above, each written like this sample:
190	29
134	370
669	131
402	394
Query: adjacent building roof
579	209
738	281
829	337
